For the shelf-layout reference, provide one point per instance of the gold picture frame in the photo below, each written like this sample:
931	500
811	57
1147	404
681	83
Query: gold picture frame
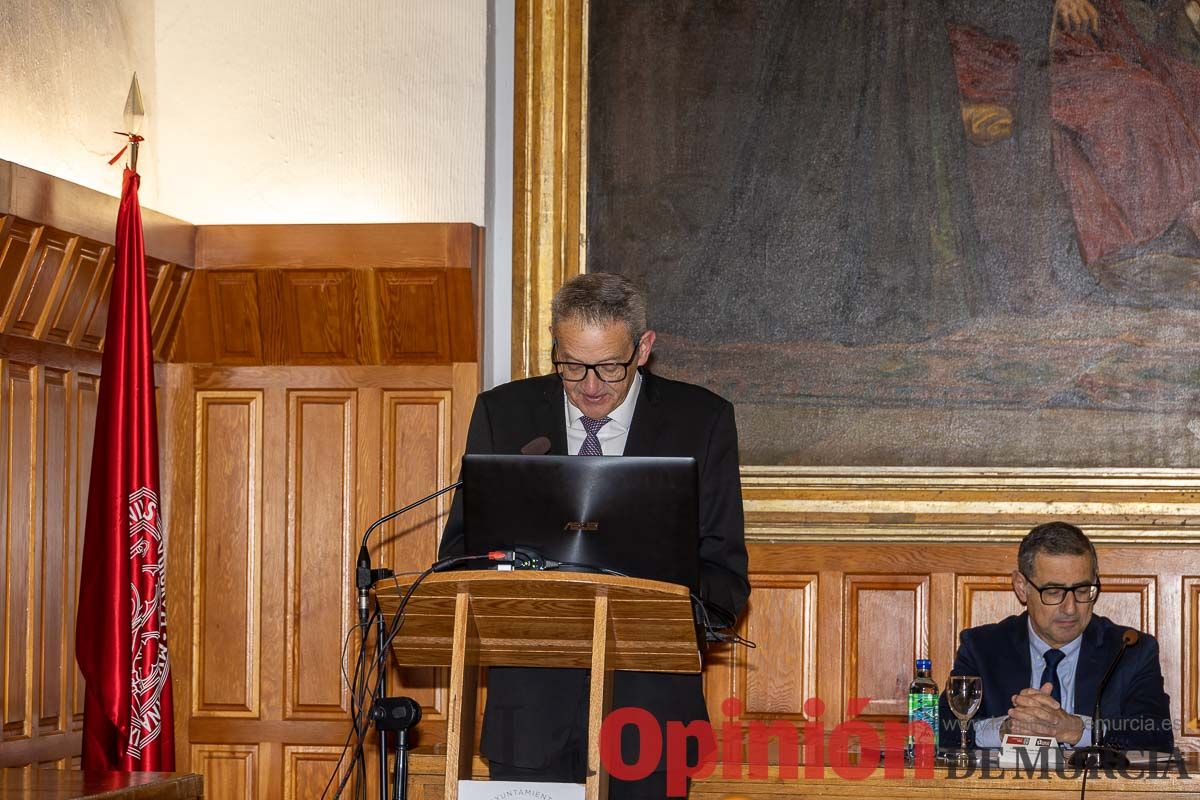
788	504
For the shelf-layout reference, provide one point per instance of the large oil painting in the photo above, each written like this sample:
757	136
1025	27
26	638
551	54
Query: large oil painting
912	232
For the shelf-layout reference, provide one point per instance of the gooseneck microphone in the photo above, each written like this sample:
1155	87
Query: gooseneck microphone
364	576
536	447
1097	754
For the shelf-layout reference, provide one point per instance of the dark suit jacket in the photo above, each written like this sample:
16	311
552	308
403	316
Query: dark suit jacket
1135	707
532	714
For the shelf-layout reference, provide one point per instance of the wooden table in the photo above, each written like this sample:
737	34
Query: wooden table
426	784
63	784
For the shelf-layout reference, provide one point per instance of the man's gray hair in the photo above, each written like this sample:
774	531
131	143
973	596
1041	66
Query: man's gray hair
1055	539
599	298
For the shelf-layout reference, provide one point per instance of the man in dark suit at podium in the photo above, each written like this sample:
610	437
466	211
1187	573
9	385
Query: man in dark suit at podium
603	401
1041	670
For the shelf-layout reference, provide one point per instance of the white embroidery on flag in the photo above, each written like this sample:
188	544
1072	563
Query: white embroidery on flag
150	667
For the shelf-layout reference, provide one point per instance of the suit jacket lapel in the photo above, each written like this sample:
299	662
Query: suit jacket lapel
1090	669
1015	674
552	416
644	430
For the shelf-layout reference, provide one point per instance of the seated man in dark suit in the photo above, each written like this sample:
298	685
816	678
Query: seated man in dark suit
602	401
1041	670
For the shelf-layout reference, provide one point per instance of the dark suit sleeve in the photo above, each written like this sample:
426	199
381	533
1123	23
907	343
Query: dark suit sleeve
966	662
1144	721
723	563
479	440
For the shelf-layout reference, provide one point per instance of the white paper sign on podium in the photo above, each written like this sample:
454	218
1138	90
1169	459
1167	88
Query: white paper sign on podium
519	790
1029	751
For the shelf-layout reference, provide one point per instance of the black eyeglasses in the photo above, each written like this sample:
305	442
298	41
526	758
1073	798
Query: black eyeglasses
1055	595
609	371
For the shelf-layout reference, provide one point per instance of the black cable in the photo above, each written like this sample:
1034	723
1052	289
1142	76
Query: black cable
350	687
358	732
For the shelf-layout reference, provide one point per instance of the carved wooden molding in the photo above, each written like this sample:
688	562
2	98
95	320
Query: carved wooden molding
923	505
549	169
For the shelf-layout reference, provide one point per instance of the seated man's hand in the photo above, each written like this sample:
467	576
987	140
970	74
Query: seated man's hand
1076	15
1036	713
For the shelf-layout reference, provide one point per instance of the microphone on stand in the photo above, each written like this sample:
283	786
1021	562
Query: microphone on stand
1098	755
536	447
365	577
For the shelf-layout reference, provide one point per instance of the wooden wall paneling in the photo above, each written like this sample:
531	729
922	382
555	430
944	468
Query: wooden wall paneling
831	633
321	527
178	465
1190	683
229	770
85	395
464	340
234	303
465	387
227	556
272	587
943	635
41	282
775	678
158	279
194	340
320	312
90	329
718	679
887	628
54	625
1169	621
307	769
387	245
1130	600
86	266
416	462
20	411
983	599
170	312
414	316
17	251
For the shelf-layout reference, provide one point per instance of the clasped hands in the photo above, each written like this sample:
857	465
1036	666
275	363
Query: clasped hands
1036	713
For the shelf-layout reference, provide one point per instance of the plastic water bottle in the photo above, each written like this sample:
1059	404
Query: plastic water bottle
922	702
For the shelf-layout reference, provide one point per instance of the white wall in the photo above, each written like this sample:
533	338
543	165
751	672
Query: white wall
322	110
65	67
497	336
285	111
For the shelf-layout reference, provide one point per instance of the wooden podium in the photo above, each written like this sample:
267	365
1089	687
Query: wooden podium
471	619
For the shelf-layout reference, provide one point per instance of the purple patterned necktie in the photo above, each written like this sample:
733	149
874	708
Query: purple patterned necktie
591	444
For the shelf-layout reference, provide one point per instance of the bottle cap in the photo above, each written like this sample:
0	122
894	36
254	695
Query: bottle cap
924	663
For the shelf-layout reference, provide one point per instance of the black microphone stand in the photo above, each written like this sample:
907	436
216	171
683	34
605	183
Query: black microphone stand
1098	754
365	579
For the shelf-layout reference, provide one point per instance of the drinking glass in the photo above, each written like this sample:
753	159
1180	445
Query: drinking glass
964	693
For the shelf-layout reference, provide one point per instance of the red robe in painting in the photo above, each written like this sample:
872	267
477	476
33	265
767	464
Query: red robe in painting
1127	134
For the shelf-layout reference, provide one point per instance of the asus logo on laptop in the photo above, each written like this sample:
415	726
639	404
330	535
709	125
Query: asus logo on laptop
582	526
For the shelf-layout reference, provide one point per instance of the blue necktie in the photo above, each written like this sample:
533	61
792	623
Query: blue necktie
1050	673
591	444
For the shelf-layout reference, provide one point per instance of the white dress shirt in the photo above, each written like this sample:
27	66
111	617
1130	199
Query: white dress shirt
614	434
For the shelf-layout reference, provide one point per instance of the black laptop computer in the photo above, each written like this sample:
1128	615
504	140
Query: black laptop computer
631	515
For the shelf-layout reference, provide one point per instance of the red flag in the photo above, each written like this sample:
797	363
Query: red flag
121	628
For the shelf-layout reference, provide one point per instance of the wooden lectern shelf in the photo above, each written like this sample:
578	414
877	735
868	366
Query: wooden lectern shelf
545	619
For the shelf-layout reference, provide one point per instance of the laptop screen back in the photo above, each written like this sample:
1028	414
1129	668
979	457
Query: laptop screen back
633	515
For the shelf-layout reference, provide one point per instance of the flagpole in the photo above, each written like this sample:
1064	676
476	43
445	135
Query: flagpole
121	617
